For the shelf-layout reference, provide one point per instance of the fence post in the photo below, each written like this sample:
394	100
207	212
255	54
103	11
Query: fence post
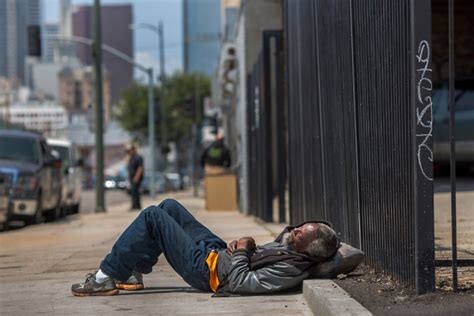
422	125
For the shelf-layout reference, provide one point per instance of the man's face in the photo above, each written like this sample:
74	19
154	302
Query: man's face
302	236
131	152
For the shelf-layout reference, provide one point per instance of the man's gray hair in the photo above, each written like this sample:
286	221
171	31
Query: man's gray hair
325	242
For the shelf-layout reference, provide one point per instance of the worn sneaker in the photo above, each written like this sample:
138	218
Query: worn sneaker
92	288
134	283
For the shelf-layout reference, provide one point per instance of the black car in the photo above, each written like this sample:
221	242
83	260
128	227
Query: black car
34	174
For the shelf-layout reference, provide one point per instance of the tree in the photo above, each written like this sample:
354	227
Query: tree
132	110
175	95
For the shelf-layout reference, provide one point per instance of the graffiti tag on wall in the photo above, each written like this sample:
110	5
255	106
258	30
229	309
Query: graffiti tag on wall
424	110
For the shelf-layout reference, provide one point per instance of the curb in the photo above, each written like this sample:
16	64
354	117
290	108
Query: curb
325	297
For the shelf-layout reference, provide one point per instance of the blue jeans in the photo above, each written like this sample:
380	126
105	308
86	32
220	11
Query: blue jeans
169	229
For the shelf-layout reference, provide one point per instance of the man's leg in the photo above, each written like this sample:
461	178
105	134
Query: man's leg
191	225
154	231
195	230
136	196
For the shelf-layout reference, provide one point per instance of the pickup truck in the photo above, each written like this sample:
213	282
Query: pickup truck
34	176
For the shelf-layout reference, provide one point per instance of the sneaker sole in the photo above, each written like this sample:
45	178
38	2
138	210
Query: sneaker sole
130	287
108	293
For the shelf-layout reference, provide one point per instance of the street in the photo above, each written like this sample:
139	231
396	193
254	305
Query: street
39	263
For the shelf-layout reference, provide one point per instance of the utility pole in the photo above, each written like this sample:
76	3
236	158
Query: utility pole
151	131
99	136
164	136
195	135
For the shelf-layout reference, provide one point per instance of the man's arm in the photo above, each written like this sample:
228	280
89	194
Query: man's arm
272	278
138	174
139	171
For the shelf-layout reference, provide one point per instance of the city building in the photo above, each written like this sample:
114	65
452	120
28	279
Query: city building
45	78
15	16
48	118
49	43
239	52
116	33
5	91
201	35
76	90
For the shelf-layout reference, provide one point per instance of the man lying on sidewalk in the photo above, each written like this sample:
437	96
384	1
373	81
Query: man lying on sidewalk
204	260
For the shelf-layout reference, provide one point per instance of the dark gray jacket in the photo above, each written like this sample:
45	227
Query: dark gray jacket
270	268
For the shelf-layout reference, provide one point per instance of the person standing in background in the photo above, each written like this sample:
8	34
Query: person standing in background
135	175
217	154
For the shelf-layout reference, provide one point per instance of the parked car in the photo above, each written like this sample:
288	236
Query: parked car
464	109
72	175
160	184
4	199
35	175
115	182
174	181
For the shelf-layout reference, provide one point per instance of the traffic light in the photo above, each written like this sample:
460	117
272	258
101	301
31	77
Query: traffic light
157	105
34	40
189	108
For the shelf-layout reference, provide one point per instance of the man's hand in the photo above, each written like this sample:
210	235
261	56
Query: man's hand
246	243
231	247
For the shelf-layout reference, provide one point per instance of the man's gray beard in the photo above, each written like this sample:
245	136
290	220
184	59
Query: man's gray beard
287	239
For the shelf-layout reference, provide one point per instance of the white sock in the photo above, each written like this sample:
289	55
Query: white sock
100	276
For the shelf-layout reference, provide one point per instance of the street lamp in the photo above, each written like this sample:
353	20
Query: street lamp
158	29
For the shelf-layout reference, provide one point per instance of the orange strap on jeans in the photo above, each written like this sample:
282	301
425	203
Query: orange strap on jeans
211	262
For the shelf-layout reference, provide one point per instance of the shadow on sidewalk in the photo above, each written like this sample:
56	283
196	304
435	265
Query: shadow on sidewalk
167	289
183	289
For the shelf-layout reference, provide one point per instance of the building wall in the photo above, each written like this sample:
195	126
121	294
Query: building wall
230	11
260	15
115	33
201	38
14	18
50	119
253	18
3	39
76	91
45	78
48	45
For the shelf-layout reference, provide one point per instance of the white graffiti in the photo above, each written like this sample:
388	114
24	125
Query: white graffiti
424	108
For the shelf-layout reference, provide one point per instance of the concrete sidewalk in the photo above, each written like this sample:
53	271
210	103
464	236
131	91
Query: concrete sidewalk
39	263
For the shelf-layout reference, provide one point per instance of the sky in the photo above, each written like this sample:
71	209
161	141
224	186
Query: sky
145	41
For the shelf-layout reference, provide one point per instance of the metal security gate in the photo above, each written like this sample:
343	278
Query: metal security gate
359	128
267	130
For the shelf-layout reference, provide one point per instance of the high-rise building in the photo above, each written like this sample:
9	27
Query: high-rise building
49	42
15	16
116	33
65	8
201	35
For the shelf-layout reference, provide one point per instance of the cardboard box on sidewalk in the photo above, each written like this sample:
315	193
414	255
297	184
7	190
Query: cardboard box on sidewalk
221	189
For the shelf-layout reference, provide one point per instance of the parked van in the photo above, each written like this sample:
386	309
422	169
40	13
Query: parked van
71	175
